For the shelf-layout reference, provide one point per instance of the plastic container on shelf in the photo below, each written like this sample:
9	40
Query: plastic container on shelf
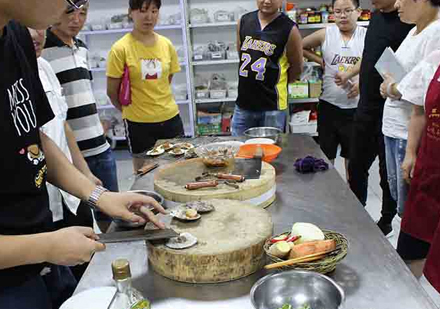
217	94
200	53
217	55
198	16
202	94
112	26
223	16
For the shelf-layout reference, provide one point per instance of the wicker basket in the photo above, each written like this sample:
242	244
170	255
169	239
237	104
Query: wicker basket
324	265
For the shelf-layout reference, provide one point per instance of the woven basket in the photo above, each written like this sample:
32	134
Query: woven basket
324	265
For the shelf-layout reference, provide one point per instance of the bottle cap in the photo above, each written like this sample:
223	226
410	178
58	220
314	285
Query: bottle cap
121	269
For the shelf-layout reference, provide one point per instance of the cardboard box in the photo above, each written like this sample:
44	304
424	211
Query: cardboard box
315	89
299	90
226	122
209	118
206	129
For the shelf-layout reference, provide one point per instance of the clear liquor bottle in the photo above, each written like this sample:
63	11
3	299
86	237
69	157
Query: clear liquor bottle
126	296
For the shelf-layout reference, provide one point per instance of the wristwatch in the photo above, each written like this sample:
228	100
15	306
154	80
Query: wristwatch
96	194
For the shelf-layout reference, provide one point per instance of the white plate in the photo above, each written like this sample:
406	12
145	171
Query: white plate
96	298
261	141
156	152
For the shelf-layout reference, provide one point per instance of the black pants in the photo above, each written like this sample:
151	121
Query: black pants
83	218
367	144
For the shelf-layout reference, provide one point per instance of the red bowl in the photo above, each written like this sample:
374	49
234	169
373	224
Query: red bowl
270	152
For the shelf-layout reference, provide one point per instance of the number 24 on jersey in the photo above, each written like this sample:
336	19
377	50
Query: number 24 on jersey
258	66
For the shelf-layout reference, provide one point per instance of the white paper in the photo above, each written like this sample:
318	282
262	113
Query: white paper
389	64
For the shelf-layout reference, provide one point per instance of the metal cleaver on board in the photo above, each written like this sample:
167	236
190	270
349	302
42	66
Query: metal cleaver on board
249	168
135	235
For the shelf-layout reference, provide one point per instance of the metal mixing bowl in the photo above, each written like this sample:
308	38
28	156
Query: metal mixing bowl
266	132
159	198
297	288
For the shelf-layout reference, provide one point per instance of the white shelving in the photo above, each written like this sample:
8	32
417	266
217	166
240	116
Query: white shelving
215	62
204	101
307	100
182	64
211	25
102	107
126	30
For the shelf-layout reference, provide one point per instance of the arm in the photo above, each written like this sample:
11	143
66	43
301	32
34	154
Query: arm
312	41
238	36
417	125
77	157
342	78
294	52
113	85
388	89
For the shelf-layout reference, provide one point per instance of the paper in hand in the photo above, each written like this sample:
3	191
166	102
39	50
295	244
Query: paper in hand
389	64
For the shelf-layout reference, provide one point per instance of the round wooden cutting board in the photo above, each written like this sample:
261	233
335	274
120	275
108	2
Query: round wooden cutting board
230	245
170	182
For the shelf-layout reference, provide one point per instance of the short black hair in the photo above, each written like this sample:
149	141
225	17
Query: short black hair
435	3
137	4
355	3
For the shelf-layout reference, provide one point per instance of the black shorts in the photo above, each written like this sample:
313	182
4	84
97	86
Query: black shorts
334	129
142	137
411	248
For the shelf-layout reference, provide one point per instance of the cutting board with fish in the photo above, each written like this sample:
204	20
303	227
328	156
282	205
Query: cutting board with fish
229	246
170	182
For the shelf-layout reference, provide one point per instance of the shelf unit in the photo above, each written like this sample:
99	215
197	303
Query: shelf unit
90	35
323	25
215	24
215	62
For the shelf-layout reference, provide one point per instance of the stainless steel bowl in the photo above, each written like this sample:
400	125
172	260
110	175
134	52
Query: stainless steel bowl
297	288
267	132
159	198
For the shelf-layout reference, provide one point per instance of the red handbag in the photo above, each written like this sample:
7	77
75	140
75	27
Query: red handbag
124	88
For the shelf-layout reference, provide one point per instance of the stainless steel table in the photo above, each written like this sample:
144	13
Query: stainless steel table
372	275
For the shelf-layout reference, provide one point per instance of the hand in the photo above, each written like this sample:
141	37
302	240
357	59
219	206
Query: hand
94	179
341	79
130	207
389	80
354	91
72	246
408	167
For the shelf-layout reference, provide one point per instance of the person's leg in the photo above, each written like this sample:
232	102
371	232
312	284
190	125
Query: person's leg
276	119
139	142
242	120
414	252
389	205
344	127
31	294
327	133
103	166
60	284
362	154
391	164
402	185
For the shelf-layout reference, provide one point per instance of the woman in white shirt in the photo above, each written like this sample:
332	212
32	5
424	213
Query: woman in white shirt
342	46
420	42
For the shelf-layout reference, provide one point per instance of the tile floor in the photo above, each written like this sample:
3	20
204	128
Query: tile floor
126	178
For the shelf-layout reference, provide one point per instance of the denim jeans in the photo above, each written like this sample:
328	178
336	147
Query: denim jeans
395	154
245	119
41	292
103	166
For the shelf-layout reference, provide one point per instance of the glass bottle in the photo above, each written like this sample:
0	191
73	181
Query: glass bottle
126	296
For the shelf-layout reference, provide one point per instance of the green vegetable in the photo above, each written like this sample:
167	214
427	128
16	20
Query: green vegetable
286	306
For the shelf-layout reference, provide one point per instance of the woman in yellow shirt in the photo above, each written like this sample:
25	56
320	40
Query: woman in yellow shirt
152	61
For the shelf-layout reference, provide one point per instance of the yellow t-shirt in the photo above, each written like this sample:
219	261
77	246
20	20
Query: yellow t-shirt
150	68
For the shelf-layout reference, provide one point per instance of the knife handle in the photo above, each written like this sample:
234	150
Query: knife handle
201	185
146	169
238	178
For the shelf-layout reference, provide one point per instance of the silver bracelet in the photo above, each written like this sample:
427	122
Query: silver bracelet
96	194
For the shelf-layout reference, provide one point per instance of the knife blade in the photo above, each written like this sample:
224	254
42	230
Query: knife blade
135	235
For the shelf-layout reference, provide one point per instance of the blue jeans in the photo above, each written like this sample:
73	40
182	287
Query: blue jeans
103	166
395	154
245	119
40	292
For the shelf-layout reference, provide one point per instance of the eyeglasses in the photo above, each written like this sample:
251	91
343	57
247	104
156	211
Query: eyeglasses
75	5
347	12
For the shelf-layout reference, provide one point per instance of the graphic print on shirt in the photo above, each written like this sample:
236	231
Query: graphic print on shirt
433	127
22	111
35	156
151	69
344	63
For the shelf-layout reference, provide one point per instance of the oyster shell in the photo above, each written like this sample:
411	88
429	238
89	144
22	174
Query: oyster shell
200	206
183	241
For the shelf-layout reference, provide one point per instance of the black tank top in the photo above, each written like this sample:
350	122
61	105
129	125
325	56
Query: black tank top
263	67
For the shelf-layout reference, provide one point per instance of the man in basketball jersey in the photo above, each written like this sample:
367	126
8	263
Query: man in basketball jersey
270	51
342	46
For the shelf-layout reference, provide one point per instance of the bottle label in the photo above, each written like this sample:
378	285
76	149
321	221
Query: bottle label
142	304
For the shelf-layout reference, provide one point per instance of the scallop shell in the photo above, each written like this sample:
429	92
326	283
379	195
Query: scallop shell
180	213
183	241
200	206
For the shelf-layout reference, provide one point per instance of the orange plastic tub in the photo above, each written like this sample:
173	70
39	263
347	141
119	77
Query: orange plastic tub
270	152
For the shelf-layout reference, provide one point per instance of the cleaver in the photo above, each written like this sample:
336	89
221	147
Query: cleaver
249	168
135	235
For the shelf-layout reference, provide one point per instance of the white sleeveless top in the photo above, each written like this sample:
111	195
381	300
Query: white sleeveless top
340	56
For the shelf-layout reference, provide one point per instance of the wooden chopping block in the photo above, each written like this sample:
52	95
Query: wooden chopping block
170	182
230	245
